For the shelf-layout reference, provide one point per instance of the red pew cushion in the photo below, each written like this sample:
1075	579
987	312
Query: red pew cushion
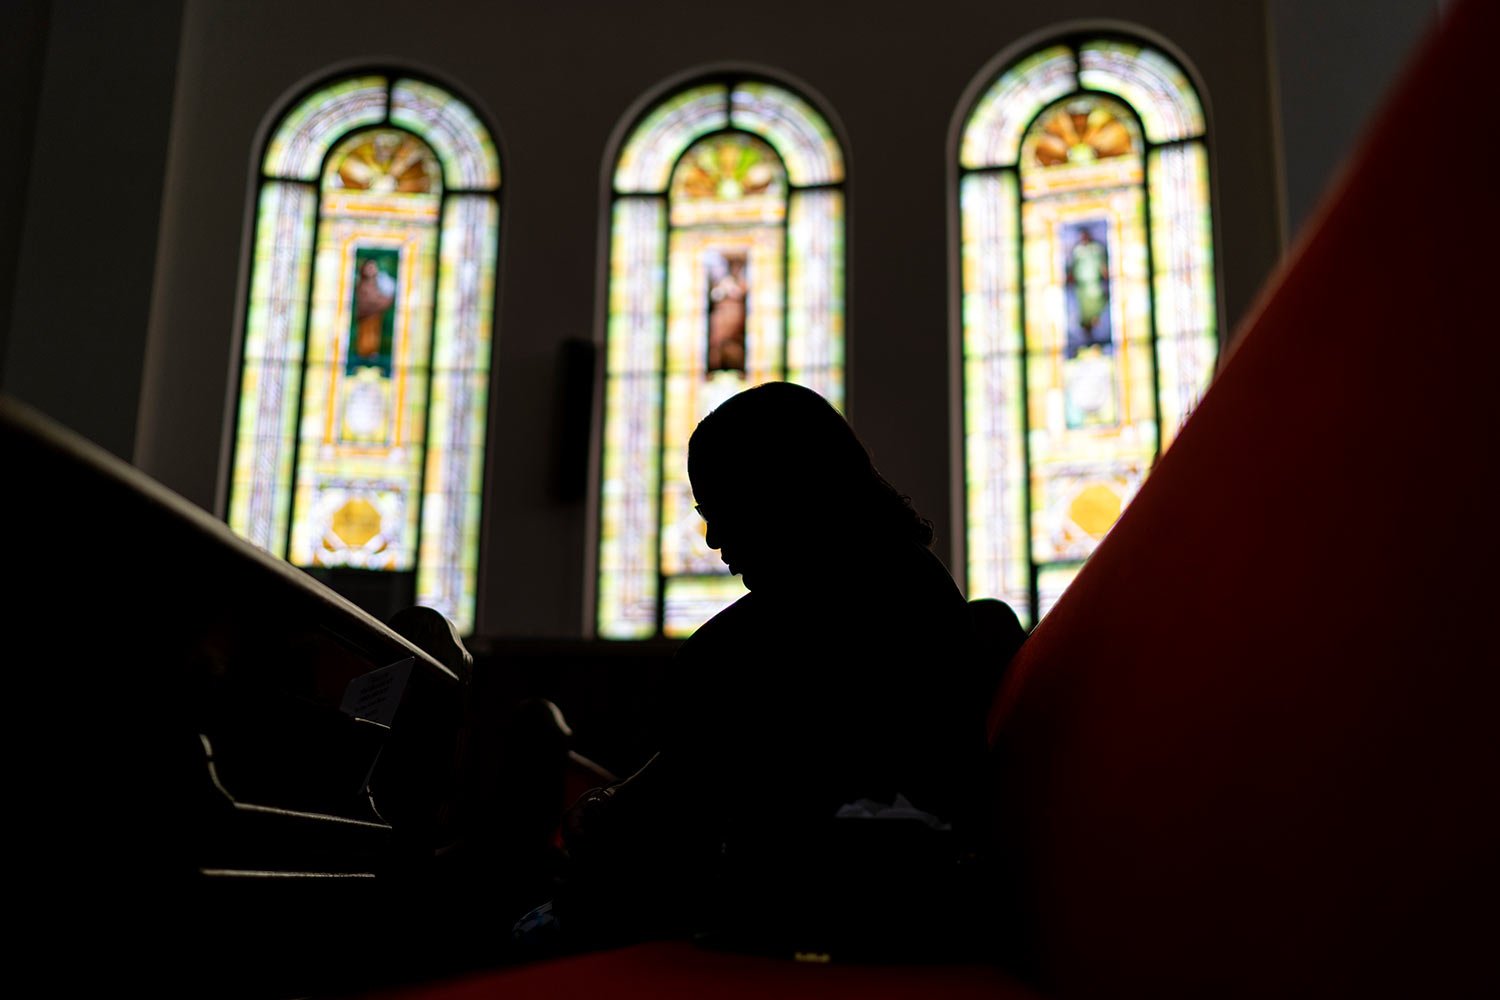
1252	752
677	970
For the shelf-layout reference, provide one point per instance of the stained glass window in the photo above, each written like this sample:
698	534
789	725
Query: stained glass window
726	270
1089	315
359	442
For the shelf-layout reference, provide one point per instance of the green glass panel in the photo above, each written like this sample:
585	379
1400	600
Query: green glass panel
992	136
453	130
301	140
1149	81
655	144
798	132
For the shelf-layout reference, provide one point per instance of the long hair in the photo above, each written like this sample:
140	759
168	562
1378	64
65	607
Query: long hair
784	450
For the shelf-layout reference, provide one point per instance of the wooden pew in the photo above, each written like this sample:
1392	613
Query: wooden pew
191	810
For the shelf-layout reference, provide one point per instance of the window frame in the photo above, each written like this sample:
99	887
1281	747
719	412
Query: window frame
490	259
1073	38
728	78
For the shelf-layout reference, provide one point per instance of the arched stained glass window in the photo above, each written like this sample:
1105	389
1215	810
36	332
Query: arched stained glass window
359	441
726	270
1089	316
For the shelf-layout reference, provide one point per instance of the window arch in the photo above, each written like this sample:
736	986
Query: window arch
726	269
364	374
1089	321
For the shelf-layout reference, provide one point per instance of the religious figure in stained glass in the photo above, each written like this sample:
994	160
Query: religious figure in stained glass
1088	350
729	299
1089	319
359	444
374	317
726	270
1087	270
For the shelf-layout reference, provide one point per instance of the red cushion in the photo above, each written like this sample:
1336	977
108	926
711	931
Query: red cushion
1252	750
675	969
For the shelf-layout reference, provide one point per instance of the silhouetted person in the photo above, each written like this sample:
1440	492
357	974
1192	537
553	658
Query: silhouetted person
846	674
998	635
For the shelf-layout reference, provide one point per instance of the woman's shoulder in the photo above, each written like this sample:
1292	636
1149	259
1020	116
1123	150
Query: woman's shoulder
921	596
697	672
919	570
729	626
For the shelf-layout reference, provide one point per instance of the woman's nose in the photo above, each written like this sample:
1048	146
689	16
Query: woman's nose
711	536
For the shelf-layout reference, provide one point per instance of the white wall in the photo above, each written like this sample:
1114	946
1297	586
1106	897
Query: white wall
101	76
1335	60
158	348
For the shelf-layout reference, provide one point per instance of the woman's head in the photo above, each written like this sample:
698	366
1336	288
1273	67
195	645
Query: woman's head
776	469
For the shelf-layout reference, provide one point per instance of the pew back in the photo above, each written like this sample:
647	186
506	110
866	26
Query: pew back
1251	751
187	794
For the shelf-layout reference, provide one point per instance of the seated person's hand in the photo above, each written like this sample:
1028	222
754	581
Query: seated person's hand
598	818
586	818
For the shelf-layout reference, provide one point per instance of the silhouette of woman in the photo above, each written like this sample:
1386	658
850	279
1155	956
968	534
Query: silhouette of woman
845	674
841	674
